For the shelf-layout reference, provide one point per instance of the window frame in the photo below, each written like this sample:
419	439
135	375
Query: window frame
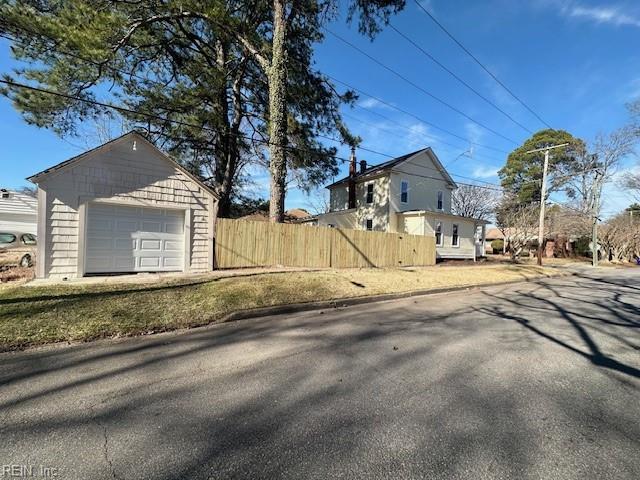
368	221
455	235
435	233
440	200
406	192
369	186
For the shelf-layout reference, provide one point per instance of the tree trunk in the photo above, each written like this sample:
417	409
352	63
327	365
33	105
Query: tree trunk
278	113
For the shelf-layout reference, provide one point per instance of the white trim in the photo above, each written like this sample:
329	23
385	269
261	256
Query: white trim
211	233
457	245
82	238
129	202
135	202
368	184
187	240
435	232
407	192
41	232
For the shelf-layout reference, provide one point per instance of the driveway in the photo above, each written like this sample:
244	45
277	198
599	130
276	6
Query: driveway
536	380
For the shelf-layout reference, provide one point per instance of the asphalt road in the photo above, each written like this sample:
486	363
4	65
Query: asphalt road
536	380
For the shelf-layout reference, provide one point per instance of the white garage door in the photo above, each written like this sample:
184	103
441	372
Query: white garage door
133	239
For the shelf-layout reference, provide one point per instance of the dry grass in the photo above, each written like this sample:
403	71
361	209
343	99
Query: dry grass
16	275
37	315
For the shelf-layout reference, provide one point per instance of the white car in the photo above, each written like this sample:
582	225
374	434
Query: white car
17	249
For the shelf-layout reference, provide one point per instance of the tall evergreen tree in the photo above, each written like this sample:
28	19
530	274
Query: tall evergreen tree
218	81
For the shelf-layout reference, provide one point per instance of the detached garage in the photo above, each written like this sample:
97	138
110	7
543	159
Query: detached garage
123	207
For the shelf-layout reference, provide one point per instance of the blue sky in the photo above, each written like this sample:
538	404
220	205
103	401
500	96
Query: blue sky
576	63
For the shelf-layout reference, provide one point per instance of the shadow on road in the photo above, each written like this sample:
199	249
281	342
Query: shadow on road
605	312
418	385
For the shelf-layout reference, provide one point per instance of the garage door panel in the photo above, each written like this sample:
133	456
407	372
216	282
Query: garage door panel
172	246
99	225
127	264
127	226
152	226
99	244
149	244
171	262
133	212
150	262
173	227
131	239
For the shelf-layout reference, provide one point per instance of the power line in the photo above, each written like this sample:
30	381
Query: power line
164	84
158	117
408	129
426	122
454	75
421	89
491	74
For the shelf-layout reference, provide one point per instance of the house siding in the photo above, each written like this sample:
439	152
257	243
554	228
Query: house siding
119	174
423	192
421	211
466	234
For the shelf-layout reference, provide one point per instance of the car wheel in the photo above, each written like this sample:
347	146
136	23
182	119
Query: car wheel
25	262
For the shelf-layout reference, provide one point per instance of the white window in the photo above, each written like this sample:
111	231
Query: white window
455	239
370	193
438	231
368	224
404	191
440	197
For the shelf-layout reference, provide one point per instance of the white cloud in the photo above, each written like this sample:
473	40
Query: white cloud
372	103
485	172
613	15
427	4
474	132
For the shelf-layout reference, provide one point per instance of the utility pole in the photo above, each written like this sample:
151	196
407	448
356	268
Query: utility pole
596	208
543	194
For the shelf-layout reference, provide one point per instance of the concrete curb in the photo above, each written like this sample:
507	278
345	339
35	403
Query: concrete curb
351	301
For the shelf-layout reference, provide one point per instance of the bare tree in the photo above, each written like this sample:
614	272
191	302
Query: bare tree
474	201
318	201
518	223
620	239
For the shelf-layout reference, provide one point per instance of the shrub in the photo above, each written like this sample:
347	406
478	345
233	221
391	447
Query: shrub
497	245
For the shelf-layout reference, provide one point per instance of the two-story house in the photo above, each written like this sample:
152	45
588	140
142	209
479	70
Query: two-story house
409	194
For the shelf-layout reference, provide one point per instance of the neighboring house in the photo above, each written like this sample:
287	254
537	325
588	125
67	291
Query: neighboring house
18	212
409	194
491	235
123	207
295	215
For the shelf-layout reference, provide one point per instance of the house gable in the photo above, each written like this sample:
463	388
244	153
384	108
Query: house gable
132	141
424	176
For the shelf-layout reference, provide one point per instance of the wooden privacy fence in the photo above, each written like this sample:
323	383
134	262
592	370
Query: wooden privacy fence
241	243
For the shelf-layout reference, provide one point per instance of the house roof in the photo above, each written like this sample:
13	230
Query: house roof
290	216
83	156
493	234
17	203
388	165
442	214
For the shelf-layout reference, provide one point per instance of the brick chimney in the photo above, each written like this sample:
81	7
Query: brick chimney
363	166
352	179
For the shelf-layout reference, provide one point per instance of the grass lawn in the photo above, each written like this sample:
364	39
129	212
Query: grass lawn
37	315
